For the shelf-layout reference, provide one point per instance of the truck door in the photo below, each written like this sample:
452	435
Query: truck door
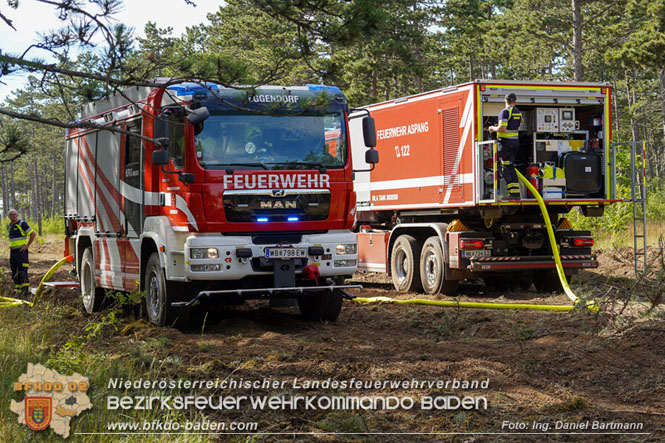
131	204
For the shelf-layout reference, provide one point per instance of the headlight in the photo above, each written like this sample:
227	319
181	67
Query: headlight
346	249
203	253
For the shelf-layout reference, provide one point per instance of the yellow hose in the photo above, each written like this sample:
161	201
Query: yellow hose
555	250
49	274
7	302
473	305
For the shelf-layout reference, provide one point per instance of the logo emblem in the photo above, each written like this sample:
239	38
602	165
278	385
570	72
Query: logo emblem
278	192
38	412
51	399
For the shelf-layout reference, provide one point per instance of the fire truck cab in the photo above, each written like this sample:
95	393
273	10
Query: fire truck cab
193	192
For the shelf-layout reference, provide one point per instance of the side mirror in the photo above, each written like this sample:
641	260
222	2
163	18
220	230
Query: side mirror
198	115
162	130
372	156
369	132
160	157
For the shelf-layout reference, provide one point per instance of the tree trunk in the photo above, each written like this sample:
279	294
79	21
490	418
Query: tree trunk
12	188
490	10
647	140
34	201
54	197
5	189
630	95
470	68
375	88
37	196
577	41
615	99
661	166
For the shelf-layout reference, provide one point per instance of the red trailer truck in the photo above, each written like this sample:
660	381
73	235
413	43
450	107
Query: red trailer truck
435	210
213	192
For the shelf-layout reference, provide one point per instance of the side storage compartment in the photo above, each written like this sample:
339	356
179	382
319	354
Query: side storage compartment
372	247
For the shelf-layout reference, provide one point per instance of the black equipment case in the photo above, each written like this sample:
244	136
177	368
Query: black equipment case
583	173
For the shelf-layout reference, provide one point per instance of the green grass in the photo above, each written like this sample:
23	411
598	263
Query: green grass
58	336
607	240
50	226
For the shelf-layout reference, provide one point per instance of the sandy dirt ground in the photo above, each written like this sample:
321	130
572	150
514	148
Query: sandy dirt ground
548	368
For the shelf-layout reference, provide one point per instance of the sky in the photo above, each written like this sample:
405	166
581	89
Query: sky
32	17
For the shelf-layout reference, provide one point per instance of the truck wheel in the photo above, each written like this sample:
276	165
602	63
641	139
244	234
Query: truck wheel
404	261
159	294
321	307
431	265
547	282
434	270
92	296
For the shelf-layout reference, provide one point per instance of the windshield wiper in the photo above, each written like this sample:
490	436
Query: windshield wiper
230	170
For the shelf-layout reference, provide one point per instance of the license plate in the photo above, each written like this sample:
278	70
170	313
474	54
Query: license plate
286	252
477	253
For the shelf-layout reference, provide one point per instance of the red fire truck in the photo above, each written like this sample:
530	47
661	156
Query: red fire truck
192	191
435	210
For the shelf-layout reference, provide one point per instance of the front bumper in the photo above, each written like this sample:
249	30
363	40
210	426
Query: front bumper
267	292
489	264
229	266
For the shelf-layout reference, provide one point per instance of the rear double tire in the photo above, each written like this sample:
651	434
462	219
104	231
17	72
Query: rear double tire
434	271
159	294
91	295
404	264
321	307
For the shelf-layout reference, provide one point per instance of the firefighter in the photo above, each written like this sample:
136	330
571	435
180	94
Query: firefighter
510	119
255	144
21	237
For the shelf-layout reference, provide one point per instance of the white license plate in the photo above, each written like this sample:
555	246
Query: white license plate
286	252
477	253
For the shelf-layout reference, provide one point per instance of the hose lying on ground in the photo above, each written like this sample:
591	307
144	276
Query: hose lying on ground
7	302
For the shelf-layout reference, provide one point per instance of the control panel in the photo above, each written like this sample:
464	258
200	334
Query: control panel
547	119
567	120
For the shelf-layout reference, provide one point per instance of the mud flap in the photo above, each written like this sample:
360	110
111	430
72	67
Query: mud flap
285	277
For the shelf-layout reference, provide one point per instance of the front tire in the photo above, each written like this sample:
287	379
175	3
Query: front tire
404	261
159	294
321	307
92	296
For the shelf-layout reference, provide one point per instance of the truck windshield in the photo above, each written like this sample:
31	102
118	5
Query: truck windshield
276	142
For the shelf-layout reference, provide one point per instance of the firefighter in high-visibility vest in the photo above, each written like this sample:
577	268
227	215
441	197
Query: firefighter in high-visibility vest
510	120
21	237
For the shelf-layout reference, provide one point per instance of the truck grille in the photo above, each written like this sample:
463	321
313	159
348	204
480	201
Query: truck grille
278	205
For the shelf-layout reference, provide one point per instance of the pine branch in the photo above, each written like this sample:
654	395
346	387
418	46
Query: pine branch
71	125
7	20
